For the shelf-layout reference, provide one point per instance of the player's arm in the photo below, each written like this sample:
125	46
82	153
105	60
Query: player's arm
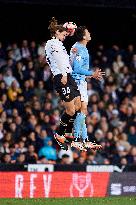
77	62
78	65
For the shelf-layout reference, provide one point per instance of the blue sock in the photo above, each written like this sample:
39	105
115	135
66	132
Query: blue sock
78	124
84	131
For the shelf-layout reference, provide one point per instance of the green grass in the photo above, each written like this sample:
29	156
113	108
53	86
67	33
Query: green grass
71	201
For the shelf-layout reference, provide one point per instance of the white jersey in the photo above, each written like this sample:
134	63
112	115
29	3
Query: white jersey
57	57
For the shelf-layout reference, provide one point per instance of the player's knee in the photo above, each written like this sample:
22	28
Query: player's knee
77	107
70	111
84	110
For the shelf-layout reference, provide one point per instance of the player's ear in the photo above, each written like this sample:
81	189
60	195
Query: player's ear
57	32
84	37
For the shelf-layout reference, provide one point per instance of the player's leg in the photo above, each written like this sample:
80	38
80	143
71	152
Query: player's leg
69	129
74	94
68	96
64	121
77	102
78	117
76	120
87	144
80	129
69	137
63	91
84	111
84	127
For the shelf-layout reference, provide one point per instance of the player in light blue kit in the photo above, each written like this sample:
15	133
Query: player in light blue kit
79	58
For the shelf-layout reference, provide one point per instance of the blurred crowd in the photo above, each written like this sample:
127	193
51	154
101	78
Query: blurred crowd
30	109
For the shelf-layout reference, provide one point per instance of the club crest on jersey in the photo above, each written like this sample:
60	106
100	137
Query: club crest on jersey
78	58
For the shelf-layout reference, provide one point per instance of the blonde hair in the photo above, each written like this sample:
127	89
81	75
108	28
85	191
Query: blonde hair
54	26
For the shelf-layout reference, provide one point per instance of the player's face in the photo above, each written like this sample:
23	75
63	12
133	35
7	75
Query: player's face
87	35
61	35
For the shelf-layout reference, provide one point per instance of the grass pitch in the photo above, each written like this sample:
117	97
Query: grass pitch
71	201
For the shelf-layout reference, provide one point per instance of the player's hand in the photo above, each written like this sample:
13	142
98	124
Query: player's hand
64	80
88	77
98	74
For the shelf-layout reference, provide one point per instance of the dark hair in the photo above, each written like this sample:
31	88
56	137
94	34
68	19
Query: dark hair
54	26
79	33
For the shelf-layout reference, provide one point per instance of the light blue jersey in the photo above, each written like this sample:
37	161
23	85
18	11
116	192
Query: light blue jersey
80	62
80	70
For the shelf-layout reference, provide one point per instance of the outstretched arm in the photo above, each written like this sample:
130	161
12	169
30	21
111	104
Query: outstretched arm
98	74
77	63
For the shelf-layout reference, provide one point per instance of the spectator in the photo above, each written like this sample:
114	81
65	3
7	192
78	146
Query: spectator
33	49
133	63
13	154
1	130
132	135
42	160
40	91
81	161
21	159
21	147
31	156
69	153
65	159
13	91
114	121
25	50
16	52
4	147
90	158
118	63
9	78
48	151
6	159
41	49
2	88
19	72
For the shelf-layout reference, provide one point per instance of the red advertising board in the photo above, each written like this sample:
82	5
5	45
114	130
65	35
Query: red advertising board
52	184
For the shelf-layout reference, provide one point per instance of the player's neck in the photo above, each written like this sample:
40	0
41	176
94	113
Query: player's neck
56	37
83	42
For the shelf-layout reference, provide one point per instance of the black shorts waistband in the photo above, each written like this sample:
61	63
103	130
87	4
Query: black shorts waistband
60	75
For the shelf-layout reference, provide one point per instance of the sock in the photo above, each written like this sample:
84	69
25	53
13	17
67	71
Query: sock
78	124
63	123
69	127
84	132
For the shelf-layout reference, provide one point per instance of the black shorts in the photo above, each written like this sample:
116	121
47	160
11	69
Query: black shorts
67	92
